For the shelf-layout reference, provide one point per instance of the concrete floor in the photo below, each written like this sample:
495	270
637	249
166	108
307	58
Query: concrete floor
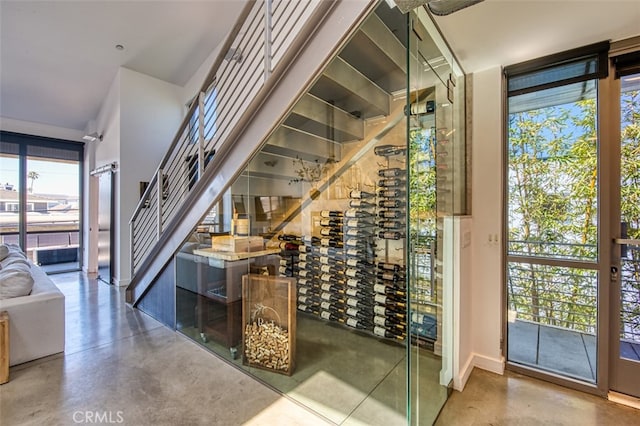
122	366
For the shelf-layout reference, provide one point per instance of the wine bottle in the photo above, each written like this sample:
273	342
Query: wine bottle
288	246
331	232
283	270
311	240
356	252
389	290
391	183
358	323
390	235
388	312
330	222
357	303
392	172
390	224
353	273
365	314
330	269
388	301
329	315
304	273
288	237
354	282
303	248
388	323
355	242
391	204
330	242
358	263
358	213
390	214
359	223
330	213
361	194
387	150
388	276
391	193
389	266
357	292
329	251
383	332
309	309
361	204
354	232
304	289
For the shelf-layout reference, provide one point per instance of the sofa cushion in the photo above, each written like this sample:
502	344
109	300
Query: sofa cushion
15	280
13	258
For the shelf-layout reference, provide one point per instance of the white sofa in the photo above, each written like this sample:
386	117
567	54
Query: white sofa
36	320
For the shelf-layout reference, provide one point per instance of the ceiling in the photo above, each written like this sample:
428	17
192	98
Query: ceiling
504	32
58	57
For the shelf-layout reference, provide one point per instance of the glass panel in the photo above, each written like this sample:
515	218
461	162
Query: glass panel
436	195
9	201
552	318
323	205
553	180
552	215
53	215
630	217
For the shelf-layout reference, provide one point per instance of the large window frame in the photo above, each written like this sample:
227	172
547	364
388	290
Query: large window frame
553	74
31	146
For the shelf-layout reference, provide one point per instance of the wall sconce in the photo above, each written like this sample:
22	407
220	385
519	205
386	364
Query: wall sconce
92	137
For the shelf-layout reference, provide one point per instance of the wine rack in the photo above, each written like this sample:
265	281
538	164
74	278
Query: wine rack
289	250
332	266
390	295
360	257
308	279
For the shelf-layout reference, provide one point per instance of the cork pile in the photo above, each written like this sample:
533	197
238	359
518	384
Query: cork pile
266	344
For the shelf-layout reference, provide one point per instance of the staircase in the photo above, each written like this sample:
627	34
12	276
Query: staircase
289	78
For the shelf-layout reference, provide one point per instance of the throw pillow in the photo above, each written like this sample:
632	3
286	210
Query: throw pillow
15	281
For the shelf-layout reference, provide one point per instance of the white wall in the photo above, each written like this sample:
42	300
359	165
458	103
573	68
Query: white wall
39	129
151	111
138	121
486	183
194	84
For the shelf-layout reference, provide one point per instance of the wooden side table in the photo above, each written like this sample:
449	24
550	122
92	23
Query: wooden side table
4	347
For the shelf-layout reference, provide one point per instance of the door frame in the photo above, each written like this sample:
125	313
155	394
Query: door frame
616	366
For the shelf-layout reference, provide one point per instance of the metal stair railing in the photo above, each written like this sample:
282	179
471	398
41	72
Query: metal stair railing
251	51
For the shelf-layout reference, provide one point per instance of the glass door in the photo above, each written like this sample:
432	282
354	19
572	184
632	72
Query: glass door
625	269
53	213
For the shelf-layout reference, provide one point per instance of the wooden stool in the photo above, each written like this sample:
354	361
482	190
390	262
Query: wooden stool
4	347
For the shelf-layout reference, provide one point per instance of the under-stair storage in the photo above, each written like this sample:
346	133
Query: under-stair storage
348	192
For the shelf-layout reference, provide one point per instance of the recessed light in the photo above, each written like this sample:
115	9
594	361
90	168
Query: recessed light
119	47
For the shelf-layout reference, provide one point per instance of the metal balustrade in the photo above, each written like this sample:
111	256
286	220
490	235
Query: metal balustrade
254	47
567	297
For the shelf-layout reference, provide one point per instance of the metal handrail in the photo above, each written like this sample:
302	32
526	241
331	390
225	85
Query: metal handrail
232	82
208	81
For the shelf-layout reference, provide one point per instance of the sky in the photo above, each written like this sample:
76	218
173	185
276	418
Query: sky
54	177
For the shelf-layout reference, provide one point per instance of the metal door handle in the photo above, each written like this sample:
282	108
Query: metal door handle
627	241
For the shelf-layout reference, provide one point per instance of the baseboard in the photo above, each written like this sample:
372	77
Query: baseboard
628	400
121	283
490	364
460	381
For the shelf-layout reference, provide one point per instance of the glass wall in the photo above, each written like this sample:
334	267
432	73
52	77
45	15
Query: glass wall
40	199
552	213
325	279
